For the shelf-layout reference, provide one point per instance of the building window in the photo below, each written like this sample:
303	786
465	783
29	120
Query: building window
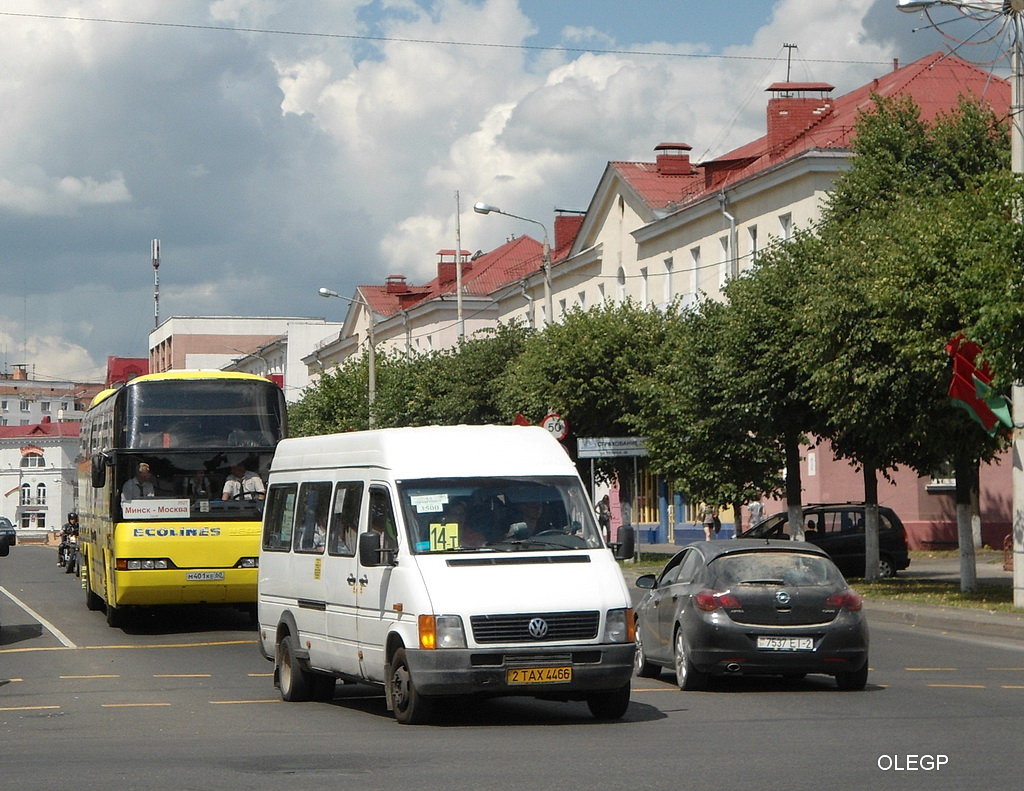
620	280
645	287
33	460
24	406
41	494
786	226
26	494
581	299
670	285
723	270
695	279
44	406
752	231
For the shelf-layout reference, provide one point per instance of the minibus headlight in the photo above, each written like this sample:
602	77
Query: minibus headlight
618	627
248	563
143	564
441	631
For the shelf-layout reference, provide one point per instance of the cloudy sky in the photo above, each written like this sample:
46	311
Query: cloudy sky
276	146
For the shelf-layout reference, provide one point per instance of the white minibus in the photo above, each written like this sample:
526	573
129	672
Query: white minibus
438	562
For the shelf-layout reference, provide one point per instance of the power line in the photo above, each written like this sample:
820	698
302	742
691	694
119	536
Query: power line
400	40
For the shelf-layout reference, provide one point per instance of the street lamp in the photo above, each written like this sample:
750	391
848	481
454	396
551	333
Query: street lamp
985	11
371	373
486	208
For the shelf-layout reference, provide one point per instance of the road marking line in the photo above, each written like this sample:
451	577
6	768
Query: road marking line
126	647
260	675
182	675
959	686
98	675
1012	686
27	708
931	669
1007	669
131	705
45	623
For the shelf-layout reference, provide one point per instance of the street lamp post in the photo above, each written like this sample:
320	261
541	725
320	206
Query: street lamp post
371	373
1013	10
486	208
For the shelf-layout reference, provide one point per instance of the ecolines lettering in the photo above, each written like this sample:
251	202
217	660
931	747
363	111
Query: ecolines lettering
912	763
185	532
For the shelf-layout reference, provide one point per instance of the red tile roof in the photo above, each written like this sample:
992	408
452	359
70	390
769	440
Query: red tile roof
39	430
480	275
798	123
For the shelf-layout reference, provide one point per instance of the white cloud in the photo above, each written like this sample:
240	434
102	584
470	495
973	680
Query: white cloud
270	164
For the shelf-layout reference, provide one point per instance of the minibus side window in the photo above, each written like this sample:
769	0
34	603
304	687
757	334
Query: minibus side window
345	519
279	517
382	518
315	503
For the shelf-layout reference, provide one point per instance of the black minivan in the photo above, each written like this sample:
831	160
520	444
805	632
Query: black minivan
838	528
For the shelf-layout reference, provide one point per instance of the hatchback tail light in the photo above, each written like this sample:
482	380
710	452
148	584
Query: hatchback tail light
845	600
710	600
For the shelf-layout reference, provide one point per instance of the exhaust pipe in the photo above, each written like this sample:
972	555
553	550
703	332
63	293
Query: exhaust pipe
733	667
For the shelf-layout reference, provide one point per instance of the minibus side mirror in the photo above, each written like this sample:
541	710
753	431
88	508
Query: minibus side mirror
371	553
99	470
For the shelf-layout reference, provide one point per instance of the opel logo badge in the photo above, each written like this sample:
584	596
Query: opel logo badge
538	628
782	597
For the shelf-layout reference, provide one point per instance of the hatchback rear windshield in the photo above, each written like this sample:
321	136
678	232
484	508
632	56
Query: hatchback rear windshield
774	568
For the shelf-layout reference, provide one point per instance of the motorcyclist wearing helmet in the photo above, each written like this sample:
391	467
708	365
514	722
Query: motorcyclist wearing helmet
70	529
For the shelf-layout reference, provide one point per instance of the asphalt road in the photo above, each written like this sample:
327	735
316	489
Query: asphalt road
184	701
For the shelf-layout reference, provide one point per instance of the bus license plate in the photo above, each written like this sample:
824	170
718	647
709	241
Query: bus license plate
204	576
785	643
539	675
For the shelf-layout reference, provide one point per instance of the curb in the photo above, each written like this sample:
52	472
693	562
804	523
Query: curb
949	620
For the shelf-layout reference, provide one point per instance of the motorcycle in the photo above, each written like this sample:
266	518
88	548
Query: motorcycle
67	557
70	554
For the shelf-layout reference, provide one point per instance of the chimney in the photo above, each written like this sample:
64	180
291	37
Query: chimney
395	284
567	225
446	265
673	159
791	112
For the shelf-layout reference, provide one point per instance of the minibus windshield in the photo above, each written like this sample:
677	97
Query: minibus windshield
497	514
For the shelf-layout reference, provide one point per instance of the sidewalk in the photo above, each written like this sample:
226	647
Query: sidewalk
951	620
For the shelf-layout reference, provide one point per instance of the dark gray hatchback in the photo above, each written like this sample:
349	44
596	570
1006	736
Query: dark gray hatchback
750	607
838	528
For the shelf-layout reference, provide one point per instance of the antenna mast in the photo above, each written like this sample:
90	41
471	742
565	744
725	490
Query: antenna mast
154	250
789	58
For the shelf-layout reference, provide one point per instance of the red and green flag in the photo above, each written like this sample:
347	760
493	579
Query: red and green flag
971	387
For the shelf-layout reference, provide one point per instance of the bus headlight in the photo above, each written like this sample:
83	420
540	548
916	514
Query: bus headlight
248	563
143	564
618	627
441	631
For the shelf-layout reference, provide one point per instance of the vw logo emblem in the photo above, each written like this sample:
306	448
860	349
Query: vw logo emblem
782	597
538	628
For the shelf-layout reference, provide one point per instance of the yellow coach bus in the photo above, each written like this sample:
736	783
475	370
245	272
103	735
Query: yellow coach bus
171	479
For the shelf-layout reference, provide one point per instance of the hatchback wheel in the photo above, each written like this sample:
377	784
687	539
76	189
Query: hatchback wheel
643	667
854	681
688	677
886	568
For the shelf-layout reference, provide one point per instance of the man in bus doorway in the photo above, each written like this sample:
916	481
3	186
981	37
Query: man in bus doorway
243	484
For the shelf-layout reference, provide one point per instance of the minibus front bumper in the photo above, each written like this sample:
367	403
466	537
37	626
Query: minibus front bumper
567	672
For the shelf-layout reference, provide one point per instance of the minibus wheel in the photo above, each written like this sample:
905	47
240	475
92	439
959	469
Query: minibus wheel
410	707
293	679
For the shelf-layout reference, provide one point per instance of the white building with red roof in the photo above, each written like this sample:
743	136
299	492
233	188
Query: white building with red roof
38	474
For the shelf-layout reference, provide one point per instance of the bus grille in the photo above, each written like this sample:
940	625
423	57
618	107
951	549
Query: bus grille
516	628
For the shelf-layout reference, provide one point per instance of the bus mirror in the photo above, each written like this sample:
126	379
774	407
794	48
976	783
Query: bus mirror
371	553
99	470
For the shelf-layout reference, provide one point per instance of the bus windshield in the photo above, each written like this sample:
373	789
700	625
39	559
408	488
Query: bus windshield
498	514
202	414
